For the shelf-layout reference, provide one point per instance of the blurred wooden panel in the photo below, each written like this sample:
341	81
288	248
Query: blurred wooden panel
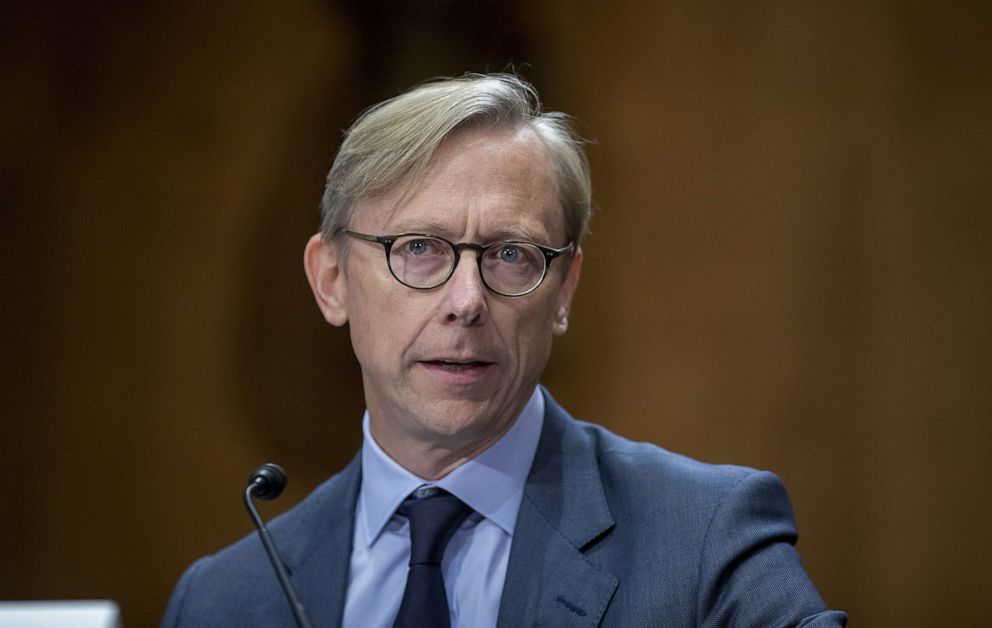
156	136
791	270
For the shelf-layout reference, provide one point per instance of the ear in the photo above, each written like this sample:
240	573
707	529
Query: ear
326	277
566	292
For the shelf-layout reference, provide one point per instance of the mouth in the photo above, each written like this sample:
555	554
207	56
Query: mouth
459	372
456	366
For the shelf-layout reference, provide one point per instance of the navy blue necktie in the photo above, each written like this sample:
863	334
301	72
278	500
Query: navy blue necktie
433	521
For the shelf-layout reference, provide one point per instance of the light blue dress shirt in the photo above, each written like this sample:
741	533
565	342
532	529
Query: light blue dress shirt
475	561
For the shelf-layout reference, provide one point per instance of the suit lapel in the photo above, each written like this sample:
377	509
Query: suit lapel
319	551
549	580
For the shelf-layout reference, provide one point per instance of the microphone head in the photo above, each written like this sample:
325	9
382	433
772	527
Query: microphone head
269	481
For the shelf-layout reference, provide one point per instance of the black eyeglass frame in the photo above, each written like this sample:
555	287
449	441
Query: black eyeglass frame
387	241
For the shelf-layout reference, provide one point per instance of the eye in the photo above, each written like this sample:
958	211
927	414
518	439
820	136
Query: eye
421	246
509	253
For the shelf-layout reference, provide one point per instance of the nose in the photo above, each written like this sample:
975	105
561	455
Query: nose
464	293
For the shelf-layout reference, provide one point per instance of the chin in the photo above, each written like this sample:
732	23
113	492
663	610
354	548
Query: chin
462	420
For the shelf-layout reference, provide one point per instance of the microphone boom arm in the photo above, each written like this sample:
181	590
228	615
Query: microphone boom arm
299	614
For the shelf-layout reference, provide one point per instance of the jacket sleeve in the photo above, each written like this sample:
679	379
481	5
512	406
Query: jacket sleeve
750	573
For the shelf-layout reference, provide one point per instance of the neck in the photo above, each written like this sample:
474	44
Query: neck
435	458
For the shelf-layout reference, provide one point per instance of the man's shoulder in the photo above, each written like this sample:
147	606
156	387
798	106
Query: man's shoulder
642	466
639	471
234	579
653	462
717	537
639	477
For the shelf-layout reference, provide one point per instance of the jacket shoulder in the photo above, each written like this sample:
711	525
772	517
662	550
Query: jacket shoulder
236	585
649	469
720	536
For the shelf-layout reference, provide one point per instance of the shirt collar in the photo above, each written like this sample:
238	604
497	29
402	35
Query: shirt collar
492	483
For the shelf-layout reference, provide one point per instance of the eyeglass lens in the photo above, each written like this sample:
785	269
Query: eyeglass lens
507	267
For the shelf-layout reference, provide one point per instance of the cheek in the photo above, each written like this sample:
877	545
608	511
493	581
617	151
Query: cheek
383	329
370	326
533	334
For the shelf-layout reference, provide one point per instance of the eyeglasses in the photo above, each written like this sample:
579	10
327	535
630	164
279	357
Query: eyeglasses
422	262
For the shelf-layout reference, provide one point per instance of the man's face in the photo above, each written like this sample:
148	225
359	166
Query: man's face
483	186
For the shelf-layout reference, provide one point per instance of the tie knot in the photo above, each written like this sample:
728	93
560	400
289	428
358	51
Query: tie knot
433	521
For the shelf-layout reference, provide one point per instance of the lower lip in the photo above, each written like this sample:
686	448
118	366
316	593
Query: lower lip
460	375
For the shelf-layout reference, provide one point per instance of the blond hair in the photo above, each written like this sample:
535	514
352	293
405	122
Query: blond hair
392	143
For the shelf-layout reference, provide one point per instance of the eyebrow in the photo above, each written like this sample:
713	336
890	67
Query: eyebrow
518	232
433	227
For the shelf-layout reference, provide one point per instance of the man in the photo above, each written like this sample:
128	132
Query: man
450	243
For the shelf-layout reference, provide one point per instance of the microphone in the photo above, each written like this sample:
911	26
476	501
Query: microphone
267	482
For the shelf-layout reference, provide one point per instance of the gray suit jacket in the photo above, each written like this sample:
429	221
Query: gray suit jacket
610	533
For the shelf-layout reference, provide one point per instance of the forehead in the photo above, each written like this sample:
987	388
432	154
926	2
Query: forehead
481	184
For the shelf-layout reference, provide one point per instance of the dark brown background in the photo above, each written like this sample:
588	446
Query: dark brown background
790	267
